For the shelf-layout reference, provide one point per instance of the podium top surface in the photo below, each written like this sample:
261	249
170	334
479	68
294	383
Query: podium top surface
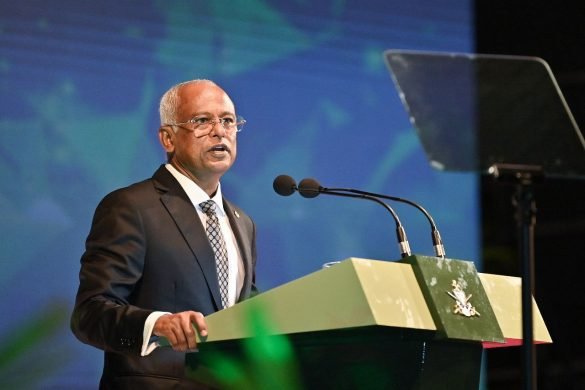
475	110
352	294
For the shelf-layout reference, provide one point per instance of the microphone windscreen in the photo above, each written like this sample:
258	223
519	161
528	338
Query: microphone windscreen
309	188
284	185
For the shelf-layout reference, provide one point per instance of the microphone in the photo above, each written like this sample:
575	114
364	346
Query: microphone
310	188
435	234
284	185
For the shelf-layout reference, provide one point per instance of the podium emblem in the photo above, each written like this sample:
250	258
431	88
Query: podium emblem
462	305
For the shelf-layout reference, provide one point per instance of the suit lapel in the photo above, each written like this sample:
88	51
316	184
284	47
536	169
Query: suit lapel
239	229
189	225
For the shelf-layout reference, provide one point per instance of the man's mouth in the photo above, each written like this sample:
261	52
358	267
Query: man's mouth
219	148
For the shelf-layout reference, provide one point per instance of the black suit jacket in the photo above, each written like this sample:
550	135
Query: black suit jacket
147	251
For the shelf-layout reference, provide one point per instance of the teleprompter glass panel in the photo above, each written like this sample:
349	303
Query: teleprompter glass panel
475	110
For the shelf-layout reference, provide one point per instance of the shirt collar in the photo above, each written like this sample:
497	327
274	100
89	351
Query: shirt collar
194	192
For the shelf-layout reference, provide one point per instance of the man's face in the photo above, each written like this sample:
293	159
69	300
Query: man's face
206	157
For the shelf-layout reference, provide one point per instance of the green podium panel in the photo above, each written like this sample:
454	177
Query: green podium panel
455	295
505	295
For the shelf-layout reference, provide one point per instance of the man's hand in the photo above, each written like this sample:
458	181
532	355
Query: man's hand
178	329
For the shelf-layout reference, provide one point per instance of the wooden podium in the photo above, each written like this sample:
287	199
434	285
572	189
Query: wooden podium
371	324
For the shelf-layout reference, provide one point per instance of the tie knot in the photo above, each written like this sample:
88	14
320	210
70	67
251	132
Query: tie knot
208	206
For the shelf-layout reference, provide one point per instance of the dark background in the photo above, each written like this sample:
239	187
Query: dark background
554	32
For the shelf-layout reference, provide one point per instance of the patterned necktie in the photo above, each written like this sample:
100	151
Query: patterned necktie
218	244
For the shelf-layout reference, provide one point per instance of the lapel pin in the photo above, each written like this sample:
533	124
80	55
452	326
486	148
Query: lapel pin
236	214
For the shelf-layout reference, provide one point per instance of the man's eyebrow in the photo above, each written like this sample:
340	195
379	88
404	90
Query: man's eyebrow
207	113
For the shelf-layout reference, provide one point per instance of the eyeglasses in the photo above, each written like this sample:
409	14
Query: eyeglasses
202	125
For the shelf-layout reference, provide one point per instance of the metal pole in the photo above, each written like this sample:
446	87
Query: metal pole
524	176
526	218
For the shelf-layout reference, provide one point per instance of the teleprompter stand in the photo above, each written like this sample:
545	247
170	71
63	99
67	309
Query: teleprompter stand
503	116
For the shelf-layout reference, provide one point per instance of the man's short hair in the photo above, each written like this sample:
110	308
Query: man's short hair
170	101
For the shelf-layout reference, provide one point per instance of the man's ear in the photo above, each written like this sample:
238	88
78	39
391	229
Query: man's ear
166	138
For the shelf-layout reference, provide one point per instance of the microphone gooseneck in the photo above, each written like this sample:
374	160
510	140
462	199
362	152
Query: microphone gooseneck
435	235
310	188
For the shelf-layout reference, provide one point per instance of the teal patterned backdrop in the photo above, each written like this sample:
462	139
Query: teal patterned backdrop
80	83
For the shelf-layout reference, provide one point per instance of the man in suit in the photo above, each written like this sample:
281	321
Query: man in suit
149	269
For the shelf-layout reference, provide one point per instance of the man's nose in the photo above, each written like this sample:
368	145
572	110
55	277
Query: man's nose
219	131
